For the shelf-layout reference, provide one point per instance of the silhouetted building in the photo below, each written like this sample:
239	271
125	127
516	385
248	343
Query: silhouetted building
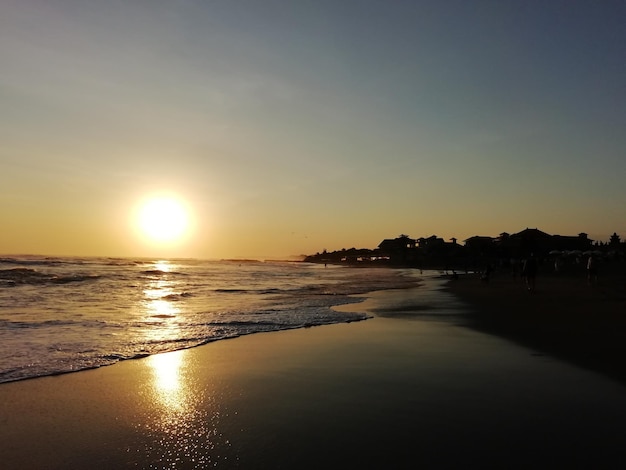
529	240
431	244
400	250
433	251
571	243
478	244
396	245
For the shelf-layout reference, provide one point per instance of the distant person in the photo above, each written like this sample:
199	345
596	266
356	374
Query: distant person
529	271
514	267
592	270
486	274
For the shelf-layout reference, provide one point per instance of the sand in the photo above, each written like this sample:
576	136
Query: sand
396	391
564	315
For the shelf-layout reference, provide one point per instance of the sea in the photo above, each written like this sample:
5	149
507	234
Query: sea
60	315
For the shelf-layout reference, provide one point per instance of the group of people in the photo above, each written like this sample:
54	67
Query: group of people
530	265
529	271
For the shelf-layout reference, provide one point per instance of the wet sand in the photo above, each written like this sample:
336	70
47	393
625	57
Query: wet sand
395	391
564	315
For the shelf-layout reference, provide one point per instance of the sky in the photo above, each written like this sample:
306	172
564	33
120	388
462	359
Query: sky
290	127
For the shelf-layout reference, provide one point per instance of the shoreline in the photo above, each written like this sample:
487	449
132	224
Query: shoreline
564	316
396	390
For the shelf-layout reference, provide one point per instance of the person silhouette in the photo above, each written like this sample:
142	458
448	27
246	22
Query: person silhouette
592	270
529	271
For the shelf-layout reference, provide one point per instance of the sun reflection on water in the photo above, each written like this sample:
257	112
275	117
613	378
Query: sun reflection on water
184	428
160	308
163	265
159	304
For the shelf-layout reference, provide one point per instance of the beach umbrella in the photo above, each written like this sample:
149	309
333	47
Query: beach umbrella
556	252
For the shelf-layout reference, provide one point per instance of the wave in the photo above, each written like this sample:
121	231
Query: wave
17	325
15	276
40	261
75	278
120	262
52	328
222	331
160	272
247	323
174	297
271	290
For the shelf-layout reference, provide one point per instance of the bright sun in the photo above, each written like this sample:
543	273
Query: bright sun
163	219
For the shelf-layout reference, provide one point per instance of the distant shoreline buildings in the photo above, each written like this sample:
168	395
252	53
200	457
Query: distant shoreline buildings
478	250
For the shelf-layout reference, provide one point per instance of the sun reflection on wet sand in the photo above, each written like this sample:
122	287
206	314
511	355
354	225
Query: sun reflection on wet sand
168	381
186	421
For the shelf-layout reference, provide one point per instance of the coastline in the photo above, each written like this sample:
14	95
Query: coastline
393	390
564	316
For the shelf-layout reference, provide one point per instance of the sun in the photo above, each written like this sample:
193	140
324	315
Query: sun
163	219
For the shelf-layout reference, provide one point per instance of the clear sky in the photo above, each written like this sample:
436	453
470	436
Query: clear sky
289	127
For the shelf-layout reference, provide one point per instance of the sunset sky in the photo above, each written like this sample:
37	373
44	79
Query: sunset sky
289	127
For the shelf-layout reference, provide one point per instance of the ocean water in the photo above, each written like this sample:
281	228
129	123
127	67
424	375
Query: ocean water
60	315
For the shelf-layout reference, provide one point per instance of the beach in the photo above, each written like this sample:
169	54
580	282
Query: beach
565	315
399	390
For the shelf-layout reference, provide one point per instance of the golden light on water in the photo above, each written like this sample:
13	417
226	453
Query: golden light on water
167	367
186	422
160	308
163	265
158	295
